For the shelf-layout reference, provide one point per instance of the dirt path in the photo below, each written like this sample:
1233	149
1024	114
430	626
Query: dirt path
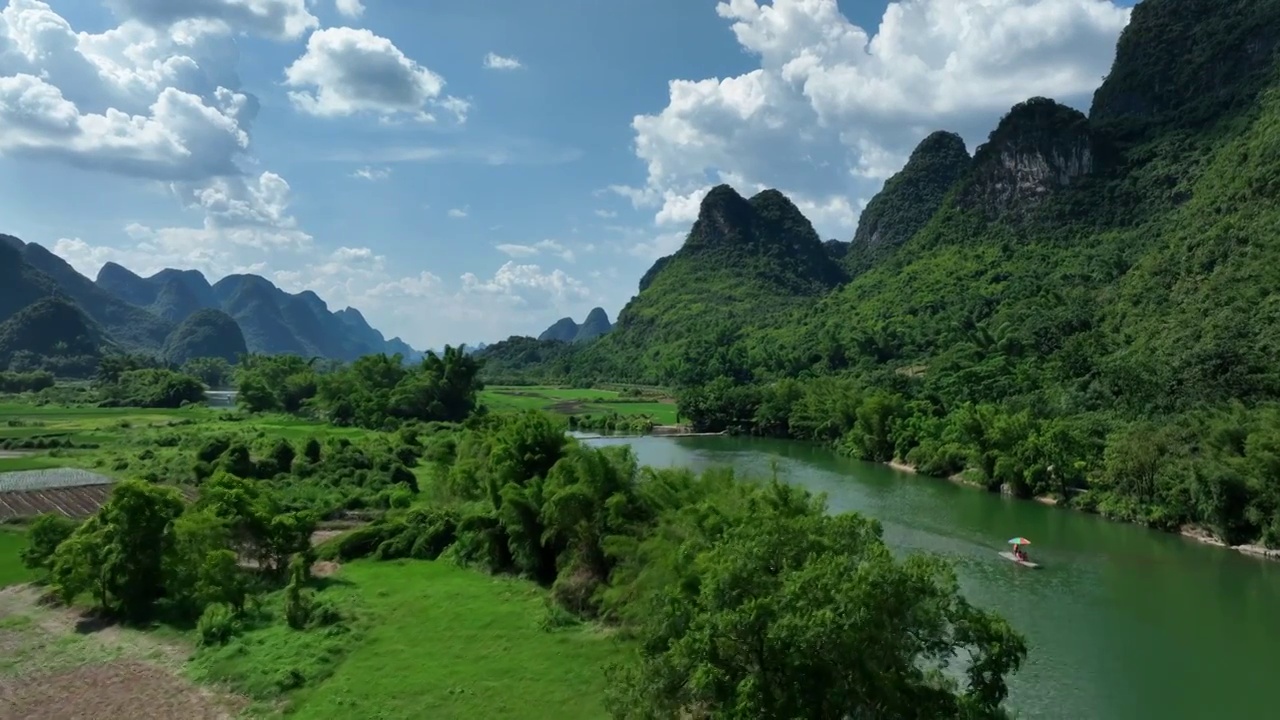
57	663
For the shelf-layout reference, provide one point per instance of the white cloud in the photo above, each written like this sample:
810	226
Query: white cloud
458	213
372	174
349	8
277	19
527	286
606	214
132	100
657	246
494	61
550	247
496	154
346	71
833	109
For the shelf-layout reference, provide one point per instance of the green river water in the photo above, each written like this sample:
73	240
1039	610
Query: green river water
1122	622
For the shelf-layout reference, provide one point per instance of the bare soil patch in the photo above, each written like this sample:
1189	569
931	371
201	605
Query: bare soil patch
568	407
320	536
58	662
124	689
324	568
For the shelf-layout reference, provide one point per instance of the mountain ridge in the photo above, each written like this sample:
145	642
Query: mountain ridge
140	314
566	329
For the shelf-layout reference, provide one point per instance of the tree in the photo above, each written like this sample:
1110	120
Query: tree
46	533
215	372
258	526
787	612
119	553
201	569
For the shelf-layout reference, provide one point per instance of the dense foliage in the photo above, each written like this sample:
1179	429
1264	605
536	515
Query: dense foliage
1089	286
135	380
774	609
148	552
214	372
374	392
29	382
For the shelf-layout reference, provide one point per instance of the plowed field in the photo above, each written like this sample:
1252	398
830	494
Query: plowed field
75	502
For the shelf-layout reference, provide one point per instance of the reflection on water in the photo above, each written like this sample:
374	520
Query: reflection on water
1123	622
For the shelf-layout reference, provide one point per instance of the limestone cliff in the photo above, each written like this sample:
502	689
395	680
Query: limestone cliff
1039	147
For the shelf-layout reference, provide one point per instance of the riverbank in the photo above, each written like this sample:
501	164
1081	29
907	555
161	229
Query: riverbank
681	431
1202	535
1192	532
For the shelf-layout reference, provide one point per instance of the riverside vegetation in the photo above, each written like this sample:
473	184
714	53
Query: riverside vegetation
1083	310
230	523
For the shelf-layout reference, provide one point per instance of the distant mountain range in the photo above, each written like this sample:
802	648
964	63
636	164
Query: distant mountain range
566	330
141	314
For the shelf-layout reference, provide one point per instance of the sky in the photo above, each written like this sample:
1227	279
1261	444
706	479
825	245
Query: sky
467	170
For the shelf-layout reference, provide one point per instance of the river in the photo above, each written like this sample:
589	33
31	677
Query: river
1122	622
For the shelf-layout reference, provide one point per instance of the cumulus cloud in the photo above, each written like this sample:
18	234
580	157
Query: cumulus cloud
346	71
527	286
132	100
349	8
458	213
833	108
548	247
494	61
277	19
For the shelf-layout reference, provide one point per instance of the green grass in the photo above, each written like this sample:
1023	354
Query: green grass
575	401
432	641
30	462
12	571
126	432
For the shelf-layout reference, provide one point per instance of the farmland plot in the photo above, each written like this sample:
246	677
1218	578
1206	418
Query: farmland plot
24	480
74	493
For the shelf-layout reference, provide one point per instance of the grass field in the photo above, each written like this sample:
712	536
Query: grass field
575	401
11	569
117	429
435	641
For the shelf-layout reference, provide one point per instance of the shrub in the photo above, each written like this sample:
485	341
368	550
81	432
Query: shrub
217	625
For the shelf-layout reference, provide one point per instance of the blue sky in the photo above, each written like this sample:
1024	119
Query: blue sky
463	170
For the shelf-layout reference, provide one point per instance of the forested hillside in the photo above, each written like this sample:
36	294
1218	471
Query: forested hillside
205	334
1089	309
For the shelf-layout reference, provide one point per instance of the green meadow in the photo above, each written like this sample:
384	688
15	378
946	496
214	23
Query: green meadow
428	639
577	401
11	569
